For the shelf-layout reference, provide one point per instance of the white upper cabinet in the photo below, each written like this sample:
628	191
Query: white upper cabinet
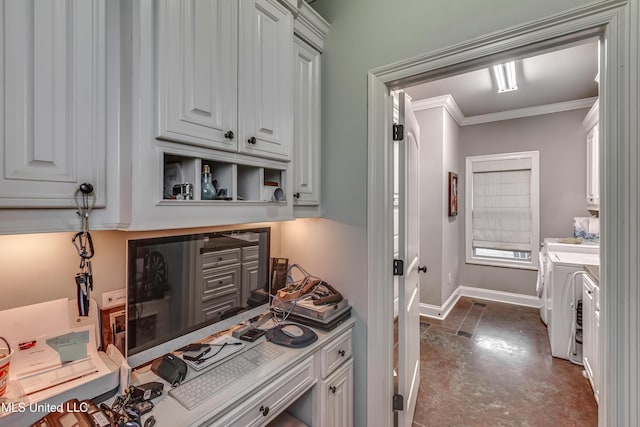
224	75
310	32
53	101
593	158
265	91
197	72
306	169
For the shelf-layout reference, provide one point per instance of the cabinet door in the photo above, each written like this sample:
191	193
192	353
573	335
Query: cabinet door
588	346
306	125
593	167
197	74
336	398
265	73
52	101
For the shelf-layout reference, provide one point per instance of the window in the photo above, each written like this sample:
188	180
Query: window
502	210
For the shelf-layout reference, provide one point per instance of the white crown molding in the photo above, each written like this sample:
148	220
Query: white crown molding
592	116
449	104
445	101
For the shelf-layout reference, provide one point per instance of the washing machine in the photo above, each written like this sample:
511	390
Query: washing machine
564	297
554	244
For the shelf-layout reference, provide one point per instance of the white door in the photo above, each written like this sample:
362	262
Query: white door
408	283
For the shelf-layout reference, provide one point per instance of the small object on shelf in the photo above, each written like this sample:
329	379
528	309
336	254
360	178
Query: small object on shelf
208	190
183	191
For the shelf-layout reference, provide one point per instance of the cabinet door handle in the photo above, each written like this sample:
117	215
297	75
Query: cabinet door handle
296	195
229	134
264	410
589	292
423	269
342	353
333	389
252	140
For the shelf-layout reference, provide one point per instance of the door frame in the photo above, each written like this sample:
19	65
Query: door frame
614	21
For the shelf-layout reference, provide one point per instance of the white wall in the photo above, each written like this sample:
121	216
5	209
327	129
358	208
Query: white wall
561	140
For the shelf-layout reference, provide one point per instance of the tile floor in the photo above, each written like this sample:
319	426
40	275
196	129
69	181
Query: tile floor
489	364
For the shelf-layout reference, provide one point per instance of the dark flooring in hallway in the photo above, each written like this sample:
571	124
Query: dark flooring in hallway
489	364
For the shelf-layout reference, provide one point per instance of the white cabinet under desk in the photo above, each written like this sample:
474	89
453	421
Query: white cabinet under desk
313	383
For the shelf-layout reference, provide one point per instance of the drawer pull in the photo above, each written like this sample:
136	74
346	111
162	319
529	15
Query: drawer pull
341	353
252	140
333	389
264	410
220	282
220	259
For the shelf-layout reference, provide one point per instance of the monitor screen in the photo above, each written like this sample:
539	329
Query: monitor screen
183	288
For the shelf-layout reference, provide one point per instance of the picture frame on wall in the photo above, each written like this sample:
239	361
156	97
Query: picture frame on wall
453	194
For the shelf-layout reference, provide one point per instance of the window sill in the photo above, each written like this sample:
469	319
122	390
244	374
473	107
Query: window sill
521	265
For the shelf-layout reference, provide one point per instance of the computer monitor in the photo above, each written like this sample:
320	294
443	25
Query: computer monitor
181	289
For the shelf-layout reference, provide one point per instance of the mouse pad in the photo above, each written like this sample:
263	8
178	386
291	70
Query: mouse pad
277	336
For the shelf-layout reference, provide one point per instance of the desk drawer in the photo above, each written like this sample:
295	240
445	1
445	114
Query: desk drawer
219	258
272	399
334	353
250	253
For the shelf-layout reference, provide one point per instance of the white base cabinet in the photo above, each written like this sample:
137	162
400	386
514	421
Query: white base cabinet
336	398
591	333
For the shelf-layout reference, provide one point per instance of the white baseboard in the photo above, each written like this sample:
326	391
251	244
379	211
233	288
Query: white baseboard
499	296
441	312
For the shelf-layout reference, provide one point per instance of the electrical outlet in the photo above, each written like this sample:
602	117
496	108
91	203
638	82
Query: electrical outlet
114	298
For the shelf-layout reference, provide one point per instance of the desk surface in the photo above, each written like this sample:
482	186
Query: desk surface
169	412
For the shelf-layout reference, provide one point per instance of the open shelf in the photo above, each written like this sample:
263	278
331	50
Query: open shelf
234	181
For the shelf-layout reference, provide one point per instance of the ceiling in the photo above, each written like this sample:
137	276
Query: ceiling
565	74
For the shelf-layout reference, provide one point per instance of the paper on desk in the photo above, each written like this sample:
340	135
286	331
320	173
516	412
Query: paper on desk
71	346
41	372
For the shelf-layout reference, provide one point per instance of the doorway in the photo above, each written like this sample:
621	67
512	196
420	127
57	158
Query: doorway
584	23
466	115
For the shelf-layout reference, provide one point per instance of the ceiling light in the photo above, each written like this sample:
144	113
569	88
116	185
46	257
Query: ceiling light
506	77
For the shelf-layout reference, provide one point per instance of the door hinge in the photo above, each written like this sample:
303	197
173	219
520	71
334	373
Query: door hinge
398	402
398	267
398	132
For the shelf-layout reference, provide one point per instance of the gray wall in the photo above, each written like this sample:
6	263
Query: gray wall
452	226
366	34
561	140
431	206
439	233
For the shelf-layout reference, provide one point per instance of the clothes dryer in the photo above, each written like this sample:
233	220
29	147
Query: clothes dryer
566	294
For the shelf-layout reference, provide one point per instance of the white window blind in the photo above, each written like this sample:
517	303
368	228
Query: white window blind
502	210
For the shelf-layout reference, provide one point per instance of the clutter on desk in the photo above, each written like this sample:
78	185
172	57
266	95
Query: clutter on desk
52	360
291	335
310	301
170	368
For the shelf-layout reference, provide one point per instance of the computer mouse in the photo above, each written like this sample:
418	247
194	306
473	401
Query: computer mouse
294	331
